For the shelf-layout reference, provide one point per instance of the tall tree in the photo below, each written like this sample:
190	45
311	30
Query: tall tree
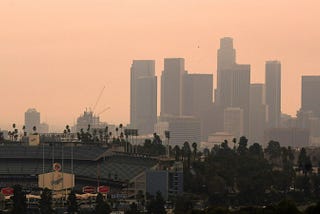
183	205
273	150
19	200
34	128
194	146
234	141
46	201
156	206
242	148
304	162
102	207
133	209
186	153
256	150
24	130
176	150
72	203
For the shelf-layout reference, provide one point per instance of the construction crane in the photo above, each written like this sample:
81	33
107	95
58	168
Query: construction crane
95	105
106	109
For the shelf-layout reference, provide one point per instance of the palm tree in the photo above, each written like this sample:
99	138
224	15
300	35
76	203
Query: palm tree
34	128
176	150
94	134
234	141
24	130
68	129
194	146
10	134
121	133
14	133
106	132
186	153
117	129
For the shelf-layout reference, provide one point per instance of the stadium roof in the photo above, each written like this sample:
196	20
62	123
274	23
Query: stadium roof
80	152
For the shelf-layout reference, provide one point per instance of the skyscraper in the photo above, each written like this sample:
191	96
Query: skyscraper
172	86
258	113
240	96
226	59
31	119
226	54
143	96
233	121
197	94
233	83
273	93
197	100
310	96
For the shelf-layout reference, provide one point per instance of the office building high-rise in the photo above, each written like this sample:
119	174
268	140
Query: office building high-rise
197	100
233	121
172	79
240	96
143	96
233	83
182	129
31	119
226	56
226	59
197	93
273	93
43	128
258	113
310	98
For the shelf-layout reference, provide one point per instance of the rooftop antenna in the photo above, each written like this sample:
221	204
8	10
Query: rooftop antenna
97	101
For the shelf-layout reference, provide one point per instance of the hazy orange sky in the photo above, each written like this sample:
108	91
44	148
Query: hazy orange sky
56	55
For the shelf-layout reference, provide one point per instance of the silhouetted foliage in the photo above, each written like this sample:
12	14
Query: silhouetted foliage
46	201
156	205
250	176
72	203
102	207
19	200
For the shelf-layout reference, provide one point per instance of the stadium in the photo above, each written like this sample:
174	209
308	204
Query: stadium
92	165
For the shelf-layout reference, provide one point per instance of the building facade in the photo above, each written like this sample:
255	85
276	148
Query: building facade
273	92
258	113
310	99
233	121
143	96
31	119
172	86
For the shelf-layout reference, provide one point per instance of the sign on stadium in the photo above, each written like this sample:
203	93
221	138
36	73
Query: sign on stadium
103	189
56	180
88	189
34	139
7	191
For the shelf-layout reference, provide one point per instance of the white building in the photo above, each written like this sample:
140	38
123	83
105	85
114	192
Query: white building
216	139
31	119
182	129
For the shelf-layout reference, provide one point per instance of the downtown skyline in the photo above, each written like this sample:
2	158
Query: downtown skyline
66	71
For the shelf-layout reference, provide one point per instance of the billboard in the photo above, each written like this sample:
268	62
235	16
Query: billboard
56	180
7	191
34	139
88	189
103	189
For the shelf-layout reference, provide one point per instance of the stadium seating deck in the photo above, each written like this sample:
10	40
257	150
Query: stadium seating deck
28	160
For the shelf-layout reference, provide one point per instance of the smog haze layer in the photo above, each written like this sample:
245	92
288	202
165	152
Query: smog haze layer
57	55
